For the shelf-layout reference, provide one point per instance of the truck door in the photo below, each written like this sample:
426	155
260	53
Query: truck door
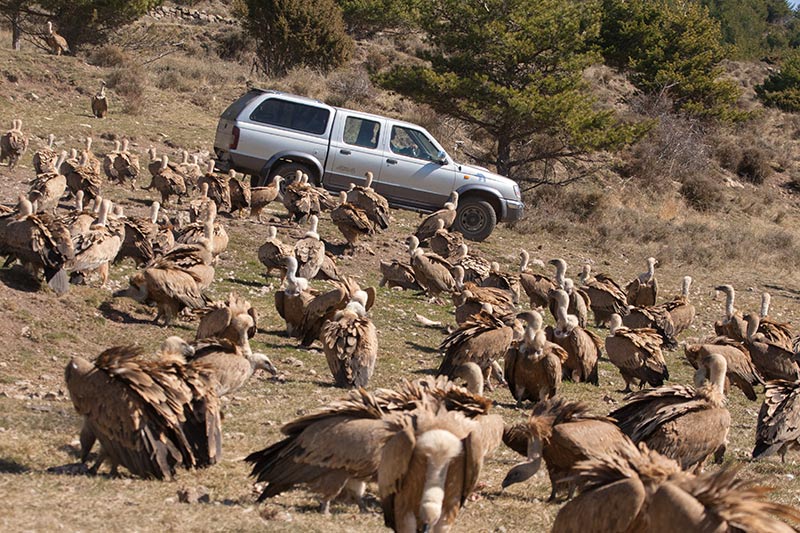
355	149
412	172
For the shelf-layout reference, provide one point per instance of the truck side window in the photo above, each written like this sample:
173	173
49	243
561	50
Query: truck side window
291	115
361	132
412	143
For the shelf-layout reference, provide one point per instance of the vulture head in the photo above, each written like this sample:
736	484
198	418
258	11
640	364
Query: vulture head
368	183
526	470
472	375
137	288
439	447
175	349
259	360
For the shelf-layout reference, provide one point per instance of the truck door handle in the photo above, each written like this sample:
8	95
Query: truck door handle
345	152
392	161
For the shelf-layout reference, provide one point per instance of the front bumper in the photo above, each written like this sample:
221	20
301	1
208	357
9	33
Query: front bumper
514	211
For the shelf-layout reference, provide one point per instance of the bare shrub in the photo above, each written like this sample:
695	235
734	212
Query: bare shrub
304	81
347	86
129	82
754	165
702	193
728	153
174	80
107	56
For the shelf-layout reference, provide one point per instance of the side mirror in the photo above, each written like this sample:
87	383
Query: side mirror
441	158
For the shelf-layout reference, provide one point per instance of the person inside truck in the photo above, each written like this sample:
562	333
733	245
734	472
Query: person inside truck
402	144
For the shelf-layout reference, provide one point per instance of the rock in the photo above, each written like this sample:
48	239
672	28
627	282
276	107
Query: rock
197	494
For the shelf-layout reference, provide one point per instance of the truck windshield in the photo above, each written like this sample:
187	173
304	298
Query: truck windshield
412	143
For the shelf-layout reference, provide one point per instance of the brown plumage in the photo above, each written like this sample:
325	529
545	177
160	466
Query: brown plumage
397	274
350	343
684	423
168	182
273	253
137	242
190	171
209	228
48	188
642	291
98	247
13	144
605	294
325	305
680	309
100	102
778	429
642	490
83	178
44	160
533	365
502	280
773	361
149	416
91	160
352	221
655	317
536	286
240	195
126	166
732	325
470	297
482	340
261	197
58	44
39	242
310	251
429	225
373	204
779	333
582	345
303	200
637	354
291	302
563	433
741	371
234	320
431	271
445	242
108	162
476	268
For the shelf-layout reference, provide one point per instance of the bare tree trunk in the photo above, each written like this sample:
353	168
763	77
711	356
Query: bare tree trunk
16	32
503	156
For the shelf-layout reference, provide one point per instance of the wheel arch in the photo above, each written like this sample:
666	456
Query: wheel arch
287	157
484	193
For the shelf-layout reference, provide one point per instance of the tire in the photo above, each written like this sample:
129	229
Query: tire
287	172
475	219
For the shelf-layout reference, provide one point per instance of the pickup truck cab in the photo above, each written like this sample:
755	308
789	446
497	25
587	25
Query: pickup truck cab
269	133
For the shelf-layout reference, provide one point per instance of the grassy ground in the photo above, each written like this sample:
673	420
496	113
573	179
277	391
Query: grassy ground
40	332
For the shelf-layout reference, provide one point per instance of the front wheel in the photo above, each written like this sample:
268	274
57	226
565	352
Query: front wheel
288	171
475	219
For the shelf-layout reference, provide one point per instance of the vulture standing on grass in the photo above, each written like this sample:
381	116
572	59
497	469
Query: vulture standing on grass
656	318
83	178
291	302
108	162
445	242
100	102
38	242
352	221
582	345
637	354
642	291
302	200
605	295
641	490
47	188
273	253
91	159
482	340
533	364
374	205
779	333
324	306
13	144
58	45
310	251
397	274
577	298
476	268
502	280
687	424
536	286
126	166
44	160
741	371
469	297
261	197
149	416
563	433
427	228
773	361
732	325
140	235
431	271
99	246
778	429
350	343
240	195
680	309
195	232
168	182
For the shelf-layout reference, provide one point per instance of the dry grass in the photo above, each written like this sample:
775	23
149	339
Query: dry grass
611	224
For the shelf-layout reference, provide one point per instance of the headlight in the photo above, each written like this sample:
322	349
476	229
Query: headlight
517	193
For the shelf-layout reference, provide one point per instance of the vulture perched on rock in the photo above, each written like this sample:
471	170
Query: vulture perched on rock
150	416
350	343
642	291
563	433
637	354
687	424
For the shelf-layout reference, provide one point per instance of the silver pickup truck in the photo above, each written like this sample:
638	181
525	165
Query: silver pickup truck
266	133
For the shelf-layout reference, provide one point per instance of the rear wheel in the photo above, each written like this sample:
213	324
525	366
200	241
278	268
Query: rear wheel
475	219
288	171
